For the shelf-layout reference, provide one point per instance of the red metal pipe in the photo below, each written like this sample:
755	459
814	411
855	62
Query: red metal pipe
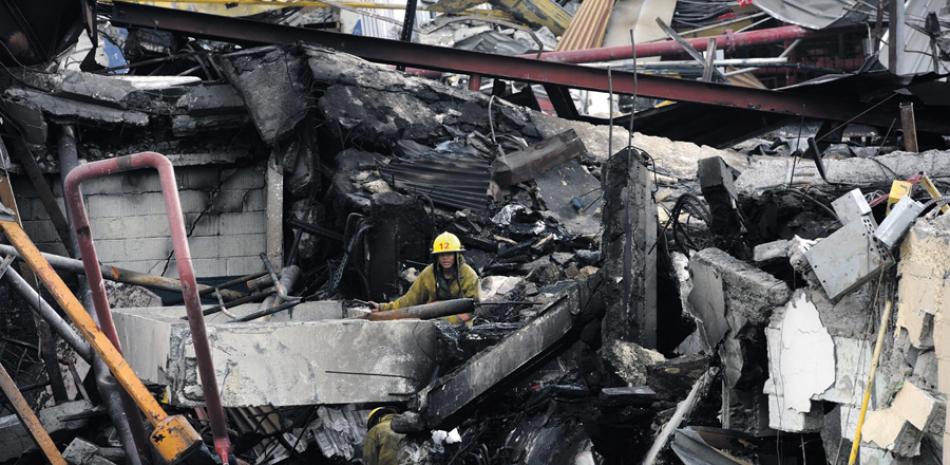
729	40
189	286
670	47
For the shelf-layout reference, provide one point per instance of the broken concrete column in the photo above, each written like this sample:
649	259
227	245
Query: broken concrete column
628	244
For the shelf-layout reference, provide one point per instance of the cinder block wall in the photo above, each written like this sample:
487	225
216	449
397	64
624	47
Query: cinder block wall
224	211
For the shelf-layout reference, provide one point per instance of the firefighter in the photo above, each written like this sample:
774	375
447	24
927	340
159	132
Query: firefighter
448	277
382	445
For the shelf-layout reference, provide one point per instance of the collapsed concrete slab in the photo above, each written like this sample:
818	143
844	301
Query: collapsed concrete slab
304	357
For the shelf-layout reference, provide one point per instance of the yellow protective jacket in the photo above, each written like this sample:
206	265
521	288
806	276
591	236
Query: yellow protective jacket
423	290
382	445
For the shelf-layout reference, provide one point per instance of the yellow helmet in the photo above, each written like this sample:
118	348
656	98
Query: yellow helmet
446	243
376	415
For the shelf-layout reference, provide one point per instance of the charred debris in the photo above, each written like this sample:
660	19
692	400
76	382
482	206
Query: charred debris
707	281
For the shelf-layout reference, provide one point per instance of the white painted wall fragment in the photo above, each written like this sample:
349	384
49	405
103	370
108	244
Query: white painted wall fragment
801	357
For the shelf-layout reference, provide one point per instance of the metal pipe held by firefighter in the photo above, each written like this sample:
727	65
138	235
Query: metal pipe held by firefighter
186	273
425	311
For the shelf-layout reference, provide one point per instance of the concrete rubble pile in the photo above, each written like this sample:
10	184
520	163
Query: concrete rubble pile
640	299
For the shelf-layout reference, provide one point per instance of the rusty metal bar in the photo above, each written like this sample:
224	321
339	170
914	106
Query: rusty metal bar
74	200
122	275
29	419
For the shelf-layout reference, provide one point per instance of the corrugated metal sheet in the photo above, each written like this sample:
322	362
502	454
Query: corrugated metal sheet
456	179
588	26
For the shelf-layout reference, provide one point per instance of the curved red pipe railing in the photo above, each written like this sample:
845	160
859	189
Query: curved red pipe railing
186	273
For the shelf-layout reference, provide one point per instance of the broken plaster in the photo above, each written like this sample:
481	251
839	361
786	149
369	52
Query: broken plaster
801	355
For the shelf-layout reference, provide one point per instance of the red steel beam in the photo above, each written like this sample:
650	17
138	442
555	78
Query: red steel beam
512	67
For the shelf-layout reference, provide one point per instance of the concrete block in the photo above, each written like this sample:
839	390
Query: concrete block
151	248
852	361
497	287
139	203
207	225
204	267
925	370
770	250
848	317
202	178
899	428
244	178
242	223
238	266
41	231
53	247
203	247
241	245
229	201
255	201
208	267
750	293
304	360
114	250
191	201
